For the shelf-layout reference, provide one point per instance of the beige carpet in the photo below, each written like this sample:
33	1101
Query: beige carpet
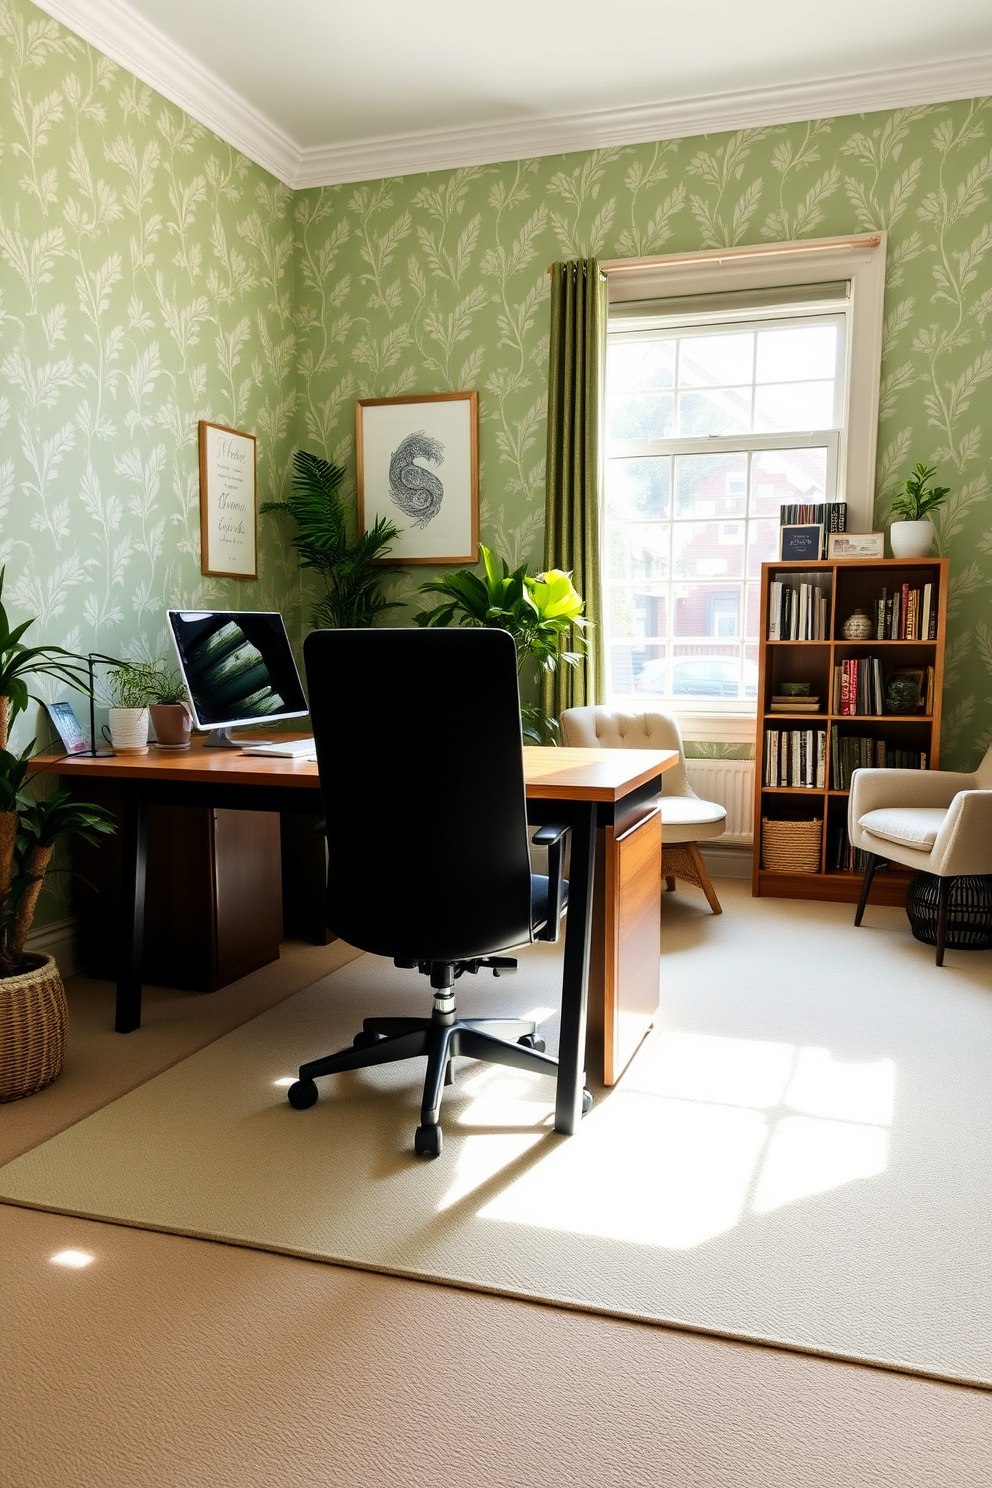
800	1154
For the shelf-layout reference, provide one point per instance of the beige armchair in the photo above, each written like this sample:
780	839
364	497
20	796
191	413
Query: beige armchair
685	818
935	821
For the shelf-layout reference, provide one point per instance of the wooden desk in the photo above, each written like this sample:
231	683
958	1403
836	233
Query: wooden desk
613	791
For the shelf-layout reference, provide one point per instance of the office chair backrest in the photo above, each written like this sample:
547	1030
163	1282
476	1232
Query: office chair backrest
421	772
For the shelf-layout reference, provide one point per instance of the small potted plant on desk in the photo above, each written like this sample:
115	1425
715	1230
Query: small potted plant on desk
33	1009
131	686
169	711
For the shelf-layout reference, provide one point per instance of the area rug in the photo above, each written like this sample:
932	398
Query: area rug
800	1154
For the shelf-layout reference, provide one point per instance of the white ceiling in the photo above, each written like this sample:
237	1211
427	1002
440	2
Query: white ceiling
322	92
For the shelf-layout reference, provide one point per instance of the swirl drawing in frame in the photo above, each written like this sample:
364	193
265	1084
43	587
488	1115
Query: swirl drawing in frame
418	466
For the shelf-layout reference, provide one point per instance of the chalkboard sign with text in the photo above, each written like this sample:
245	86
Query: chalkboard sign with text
803	543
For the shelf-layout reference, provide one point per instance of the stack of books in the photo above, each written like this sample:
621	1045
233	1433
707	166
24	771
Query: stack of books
795	758
907	614
786	703
830	516
797	609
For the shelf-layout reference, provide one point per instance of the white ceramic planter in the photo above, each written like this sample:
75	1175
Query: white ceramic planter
129	730
911	539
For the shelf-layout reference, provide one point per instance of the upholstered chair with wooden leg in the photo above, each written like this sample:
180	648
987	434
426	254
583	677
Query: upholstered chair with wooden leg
686	819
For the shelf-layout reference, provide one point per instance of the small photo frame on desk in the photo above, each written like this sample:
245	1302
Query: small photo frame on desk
856	545
66	725
802	543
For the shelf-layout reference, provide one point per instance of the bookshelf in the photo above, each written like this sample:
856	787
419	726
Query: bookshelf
805	751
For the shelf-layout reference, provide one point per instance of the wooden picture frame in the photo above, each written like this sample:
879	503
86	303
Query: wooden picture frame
228	503
418	466
856	545
802	542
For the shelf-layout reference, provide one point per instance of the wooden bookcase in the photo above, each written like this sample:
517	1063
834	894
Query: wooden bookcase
848	584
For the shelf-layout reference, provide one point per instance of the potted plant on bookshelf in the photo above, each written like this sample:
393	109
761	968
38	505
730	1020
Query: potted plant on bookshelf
169	710
33	1009
912	536
542	613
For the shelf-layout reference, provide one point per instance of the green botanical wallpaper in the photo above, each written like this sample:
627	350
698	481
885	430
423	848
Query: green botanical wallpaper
146	282
439	282
151	276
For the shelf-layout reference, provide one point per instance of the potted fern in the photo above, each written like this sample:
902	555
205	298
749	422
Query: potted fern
912	537
541	612
33	1009
348	563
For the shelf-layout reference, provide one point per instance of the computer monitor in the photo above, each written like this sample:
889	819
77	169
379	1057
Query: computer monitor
239	669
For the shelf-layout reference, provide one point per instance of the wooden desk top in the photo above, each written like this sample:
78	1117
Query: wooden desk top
550	774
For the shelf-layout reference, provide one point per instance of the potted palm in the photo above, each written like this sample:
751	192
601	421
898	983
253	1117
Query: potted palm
541	612
33	1009
912	537
349	564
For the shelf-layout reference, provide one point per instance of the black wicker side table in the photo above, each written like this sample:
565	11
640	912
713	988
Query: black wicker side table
969	911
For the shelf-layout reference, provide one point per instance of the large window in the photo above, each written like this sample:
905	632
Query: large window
720	409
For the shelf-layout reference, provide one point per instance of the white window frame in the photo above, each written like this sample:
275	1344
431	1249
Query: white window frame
861	261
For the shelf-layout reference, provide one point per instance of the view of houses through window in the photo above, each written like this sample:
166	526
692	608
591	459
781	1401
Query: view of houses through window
712	425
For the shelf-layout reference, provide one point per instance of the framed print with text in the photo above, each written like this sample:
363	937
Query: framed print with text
803	541
418	466
228	522
856	545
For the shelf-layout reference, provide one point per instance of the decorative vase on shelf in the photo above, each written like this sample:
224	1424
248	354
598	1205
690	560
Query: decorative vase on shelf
911	539
858	627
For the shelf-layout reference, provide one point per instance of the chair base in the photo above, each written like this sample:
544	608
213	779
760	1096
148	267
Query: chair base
506	1041
684	860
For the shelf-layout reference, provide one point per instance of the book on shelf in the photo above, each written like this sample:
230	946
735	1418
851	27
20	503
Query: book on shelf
858	686
830	515
798	609
795	758
907	614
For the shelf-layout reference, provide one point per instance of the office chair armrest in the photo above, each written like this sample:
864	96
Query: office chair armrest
552	836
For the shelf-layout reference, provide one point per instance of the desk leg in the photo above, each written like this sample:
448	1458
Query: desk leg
132	921
575	977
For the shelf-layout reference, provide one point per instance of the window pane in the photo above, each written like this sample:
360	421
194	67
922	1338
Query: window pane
718	411
797	353
639	669
752	612
640	416
638	488
707	550
762	545
638	551
780	407
638	610
635	366
780	476
716	361
718	673
710	485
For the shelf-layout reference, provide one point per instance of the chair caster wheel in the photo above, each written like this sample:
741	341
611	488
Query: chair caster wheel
427	1142
364	1039
302	1095
529	1041
586	1102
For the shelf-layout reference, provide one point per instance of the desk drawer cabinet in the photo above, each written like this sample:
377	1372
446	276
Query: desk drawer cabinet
213	901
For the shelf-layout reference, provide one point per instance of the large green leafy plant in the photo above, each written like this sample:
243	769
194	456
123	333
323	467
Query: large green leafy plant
347	562
31	826
542	613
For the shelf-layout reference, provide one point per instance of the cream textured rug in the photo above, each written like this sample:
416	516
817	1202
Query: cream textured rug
801	1153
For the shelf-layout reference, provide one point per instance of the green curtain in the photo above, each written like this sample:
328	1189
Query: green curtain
576	414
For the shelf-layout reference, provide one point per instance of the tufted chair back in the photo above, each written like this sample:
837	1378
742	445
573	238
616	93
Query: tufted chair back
606	728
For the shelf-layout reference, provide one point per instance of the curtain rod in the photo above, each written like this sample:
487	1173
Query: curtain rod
720	256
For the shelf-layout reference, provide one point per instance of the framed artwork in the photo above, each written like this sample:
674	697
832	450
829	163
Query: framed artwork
856	545
418	466
801	542
228	521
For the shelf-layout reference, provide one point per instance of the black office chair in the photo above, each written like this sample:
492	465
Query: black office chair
421	772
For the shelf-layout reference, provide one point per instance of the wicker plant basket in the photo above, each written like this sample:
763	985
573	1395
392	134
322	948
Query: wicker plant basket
34	1017
969	911
791	846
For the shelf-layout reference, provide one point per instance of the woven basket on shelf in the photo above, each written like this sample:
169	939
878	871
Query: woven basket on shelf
791	846
34	1016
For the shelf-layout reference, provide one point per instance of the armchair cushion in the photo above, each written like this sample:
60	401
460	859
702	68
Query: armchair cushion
915	826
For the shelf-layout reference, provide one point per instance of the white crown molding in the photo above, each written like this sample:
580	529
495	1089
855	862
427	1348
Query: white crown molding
486	144
132	42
